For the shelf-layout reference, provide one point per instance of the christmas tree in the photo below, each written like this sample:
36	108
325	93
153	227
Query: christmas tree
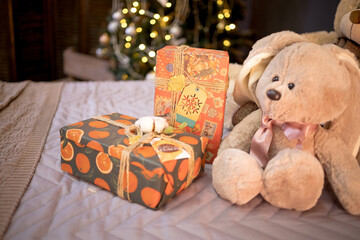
137	29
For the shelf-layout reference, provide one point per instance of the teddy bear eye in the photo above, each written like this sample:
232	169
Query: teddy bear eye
291	86
275	79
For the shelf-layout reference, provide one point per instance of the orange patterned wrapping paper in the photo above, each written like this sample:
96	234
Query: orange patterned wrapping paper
191	85
153	172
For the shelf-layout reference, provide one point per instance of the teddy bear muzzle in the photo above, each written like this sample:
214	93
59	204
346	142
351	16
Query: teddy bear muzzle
273	94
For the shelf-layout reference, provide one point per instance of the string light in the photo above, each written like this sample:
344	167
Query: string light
144	59
152	54
153	34
166	18
229	27
142	46
226	43
165	28
135	4
227	13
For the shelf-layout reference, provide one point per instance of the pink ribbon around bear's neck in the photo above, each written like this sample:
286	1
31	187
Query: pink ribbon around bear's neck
261	141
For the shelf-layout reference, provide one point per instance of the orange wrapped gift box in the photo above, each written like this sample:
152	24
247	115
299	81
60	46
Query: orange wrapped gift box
191	85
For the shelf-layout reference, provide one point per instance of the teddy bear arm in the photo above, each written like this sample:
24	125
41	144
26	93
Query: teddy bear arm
243	111
341	168
321	37
241	135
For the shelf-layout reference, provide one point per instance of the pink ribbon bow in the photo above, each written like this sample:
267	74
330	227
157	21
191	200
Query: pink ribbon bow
261	141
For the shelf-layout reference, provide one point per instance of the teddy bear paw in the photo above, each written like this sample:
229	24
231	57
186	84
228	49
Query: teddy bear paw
237	176
293	179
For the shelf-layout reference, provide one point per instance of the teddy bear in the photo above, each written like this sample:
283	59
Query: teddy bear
346	34
350	30
307	124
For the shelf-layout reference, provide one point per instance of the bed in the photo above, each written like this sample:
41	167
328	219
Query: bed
40	201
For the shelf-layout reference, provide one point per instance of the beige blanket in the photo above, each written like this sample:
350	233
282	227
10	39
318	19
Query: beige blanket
26	112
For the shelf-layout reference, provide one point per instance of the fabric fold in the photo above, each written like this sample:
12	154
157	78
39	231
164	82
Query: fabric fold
26	112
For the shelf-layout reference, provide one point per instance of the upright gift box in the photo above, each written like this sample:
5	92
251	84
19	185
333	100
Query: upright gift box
147	169
191	85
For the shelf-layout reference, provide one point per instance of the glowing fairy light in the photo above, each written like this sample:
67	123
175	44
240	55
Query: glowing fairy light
152	54
153	34
226	43
142	46
166	18
144	59
135	4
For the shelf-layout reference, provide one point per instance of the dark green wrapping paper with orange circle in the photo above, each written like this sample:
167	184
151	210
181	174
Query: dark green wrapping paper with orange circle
91	149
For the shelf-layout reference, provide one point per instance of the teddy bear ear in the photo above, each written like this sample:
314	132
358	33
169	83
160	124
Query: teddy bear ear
346	57
255	64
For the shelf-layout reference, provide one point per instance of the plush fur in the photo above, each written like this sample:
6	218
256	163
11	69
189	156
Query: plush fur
326	82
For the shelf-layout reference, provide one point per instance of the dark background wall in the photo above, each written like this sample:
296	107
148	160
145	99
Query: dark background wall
266	17
34	34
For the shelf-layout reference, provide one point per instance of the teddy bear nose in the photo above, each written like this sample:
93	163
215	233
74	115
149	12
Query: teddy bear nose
355	16
273	94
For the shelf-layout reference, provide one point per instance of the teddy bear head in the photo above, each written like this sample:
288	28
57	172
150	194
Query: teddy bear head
307	83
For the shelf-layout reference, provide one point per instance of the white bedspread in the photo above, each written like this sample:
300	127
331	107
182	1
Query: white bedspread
57	205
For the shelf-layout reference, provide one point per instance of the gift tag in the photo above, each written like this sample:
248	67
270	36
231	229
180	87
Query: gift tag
190	104
167	150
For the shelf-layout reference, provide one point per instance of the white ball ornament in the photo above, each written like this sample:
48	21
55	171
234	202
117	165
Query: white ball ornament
113	26
117	15
176	31
130	30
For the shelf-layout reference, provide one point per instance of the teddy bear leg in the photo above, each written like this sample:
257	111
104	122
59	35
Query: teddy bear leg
342	169
293	179
236	176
